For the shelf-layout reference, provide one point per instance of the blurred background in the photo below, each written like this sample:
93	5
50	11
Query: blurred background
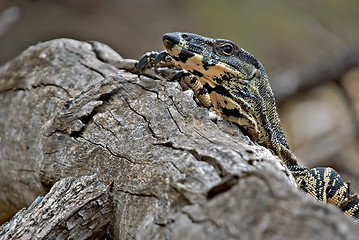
310	50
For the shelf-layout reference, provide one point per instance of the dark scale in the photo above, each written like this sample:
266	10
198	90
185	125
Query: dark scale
208	62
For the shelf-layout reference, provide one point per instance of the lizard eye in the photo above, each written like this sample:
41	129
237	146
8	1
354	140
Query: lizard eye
227	49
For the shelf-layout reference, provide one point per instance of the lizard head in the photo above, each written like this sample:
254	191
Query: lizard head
235	80
216	59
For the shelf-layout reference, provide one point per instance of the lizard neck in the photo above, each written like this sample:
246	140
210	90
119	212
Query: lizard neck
269	131
252	106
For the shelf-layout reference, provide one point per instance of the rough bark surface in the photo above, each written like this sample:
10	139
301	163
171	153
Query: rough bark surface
73	209
70	109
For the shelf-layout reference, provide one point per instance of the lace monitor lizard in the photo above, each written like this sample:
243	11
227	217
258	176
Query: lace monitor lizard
233	83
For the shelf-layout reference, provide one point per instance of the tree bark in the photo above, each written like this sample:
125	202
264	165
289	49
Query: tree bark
73	209
72	109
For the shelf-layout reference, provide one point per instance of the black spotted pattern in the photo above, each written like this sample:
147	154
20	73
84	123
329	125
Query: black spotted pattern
208	62
184	55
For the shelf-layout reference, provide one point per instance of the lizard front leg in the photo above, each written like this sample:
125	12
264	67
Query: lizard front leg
200	92
152	59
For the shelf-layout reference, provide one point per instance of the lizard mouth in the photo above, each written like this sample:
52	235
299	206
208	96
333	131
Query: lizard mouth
170	40
176	45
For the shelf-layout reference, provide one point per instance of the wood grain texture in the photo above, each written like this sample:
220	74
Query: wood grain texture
73	209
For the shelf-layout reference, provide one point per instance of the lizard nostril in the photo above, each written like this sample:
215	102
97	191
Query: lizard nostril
185	36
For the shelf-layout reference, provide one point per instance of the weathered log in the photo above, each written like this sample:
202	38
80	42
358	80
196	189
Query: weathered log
73	209
67	110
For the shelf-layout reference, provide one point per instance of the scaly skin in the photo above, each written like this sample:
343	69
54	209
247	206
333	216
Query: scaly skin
233	83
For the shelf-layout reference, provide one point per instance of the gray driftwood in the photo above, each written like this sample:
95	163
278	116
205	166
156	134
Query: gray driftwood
73	209
71	109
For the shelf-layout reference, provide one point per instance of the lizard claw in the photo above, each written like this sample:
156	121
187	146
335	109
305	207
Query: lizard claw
151	59
146	60
161	56
180	75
